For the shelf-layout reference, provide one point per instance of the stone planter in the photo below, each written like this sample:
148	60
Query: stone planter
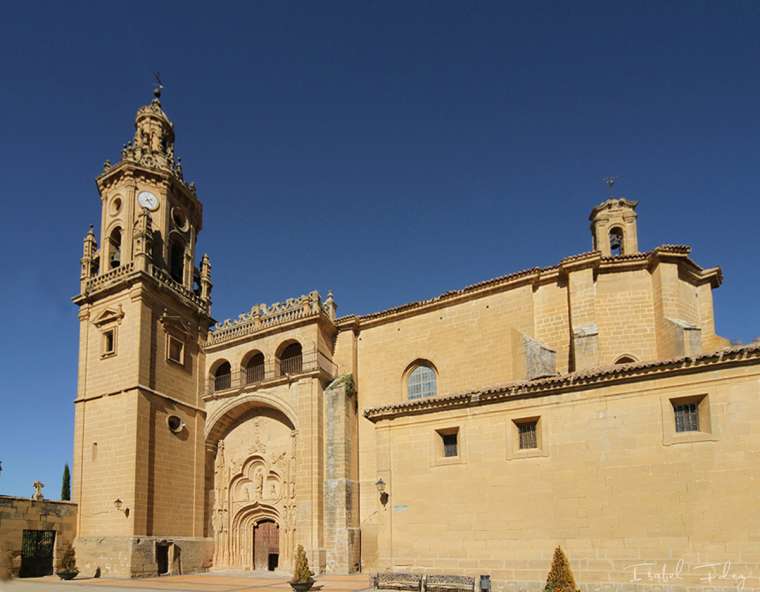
301	586
67	574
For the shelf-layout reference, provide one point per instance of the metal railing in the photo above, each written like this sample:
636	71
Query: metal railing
272	369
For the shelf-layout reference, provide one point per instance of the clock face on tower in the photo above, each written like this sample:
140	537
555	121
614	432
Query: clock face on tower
147	200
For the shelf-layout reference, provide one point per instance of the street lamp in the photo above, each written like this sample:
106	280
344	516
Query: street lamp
380	484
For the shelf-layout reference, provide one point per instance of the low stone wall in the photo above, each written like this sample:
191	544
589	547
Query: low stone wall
18	514
135	556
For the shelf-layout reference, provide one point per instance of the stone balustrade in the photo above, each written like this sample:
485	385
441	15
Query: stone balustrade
115	274
262	316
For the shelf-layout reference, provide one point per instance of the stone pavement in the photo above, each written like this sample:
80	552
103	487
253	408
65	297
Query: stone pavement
207	582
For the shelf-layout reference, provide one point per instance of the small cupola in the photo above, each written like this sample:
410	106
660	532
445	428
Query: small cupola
613	227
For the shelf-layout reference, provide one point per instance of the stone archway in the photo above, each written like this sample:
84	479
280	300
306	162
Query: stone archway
251	480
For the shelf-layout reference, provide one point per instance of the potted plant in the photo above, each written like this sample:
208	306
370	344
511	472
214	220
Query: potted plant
68	569
303	577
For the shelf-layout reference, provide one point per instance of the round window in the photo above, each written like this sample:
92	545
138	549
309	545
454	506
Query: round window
175	423
116	205
180	220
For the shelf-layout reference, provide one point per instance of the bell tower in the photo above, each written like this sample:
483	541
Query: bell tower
613	227
144	312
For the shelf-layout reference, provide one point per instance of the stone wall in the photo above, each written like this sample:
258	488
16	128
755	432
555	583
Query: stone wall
633	502
131	556
18	514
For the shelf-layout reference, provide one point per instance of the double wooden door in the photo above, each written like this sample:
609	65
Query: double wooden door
266	545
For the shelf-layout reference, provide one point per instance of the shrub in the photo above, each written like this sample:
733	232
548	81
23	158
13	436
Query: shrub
302	573
69	559
560	578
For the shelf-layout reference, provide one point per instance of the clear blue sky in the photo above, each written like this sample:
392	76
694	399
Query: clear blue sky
387	150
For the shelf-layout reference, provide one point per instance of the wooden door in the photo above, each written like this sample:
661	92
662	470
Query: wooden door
266	545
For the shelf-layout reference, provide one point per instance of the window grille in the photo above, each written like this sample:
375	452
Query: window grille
421	383
223	377
254	371
291	360
450	445
687	417
528	435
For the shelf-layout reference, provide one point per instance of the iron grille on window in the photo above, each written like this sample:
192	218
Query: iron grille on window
254	373
528	434
255	369
421	383
292	365
222	382
687	417
449	444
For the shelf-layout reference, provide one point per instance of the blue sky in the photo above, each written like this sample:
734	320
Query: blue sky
389	151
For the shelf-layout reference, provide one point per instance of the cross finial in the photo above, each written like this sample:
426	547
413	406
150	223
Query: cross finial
610	182
159	85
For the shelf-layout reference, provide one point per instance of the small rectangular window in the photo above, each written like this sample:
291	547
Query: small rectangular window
447	444
176	351
450	445
109	342
687	417
528	435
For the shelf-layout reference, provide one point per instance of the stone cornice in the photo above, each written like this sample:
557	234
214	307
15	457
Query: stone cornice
610	375
542	275
144	389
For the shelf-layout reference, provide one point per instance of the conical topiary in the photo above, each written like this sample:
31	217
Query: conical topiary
301	571
560	578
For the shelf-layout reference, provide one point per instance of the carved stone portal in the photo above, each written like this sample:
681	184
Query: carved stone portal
254	492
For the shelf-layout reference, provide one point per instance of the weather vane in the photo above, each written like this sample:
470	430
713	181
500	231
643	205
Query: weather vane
159	85
610	182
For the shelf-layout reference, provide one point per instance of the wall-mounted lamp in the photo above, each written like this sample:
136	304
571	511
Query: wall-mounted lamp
380	484
118	504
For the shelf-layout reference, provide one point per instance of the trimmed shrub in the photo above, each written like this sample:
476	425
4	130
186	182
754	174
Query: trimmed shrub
301	572
560	578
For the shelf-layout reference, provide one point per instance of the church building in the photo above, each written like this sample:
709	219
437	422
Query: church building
588	404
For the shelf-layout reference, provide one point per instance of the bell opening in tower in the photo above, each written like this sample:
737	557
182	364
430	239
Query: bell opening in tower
177	260
616	242
114	241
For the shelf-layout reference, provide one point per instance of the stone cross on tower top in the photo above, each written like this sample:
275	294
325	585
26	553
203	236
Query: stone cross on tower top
159	85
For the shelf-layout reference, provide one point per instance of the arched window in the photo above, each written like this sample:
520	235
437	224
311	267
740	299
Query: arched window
114	248
625	360
223	377
291	359
421	381
254	368
616	241
177	260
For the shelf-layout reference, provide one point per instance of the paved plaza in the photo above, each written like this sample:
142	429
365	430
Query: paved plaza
208	582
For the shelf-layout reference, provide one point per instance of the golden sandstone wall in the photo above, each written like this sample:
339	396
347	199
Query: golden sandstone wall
19	514
612	482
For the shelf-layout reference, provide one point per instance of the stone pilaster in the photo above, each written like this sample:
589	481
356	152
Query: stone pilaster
581	290
341	511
